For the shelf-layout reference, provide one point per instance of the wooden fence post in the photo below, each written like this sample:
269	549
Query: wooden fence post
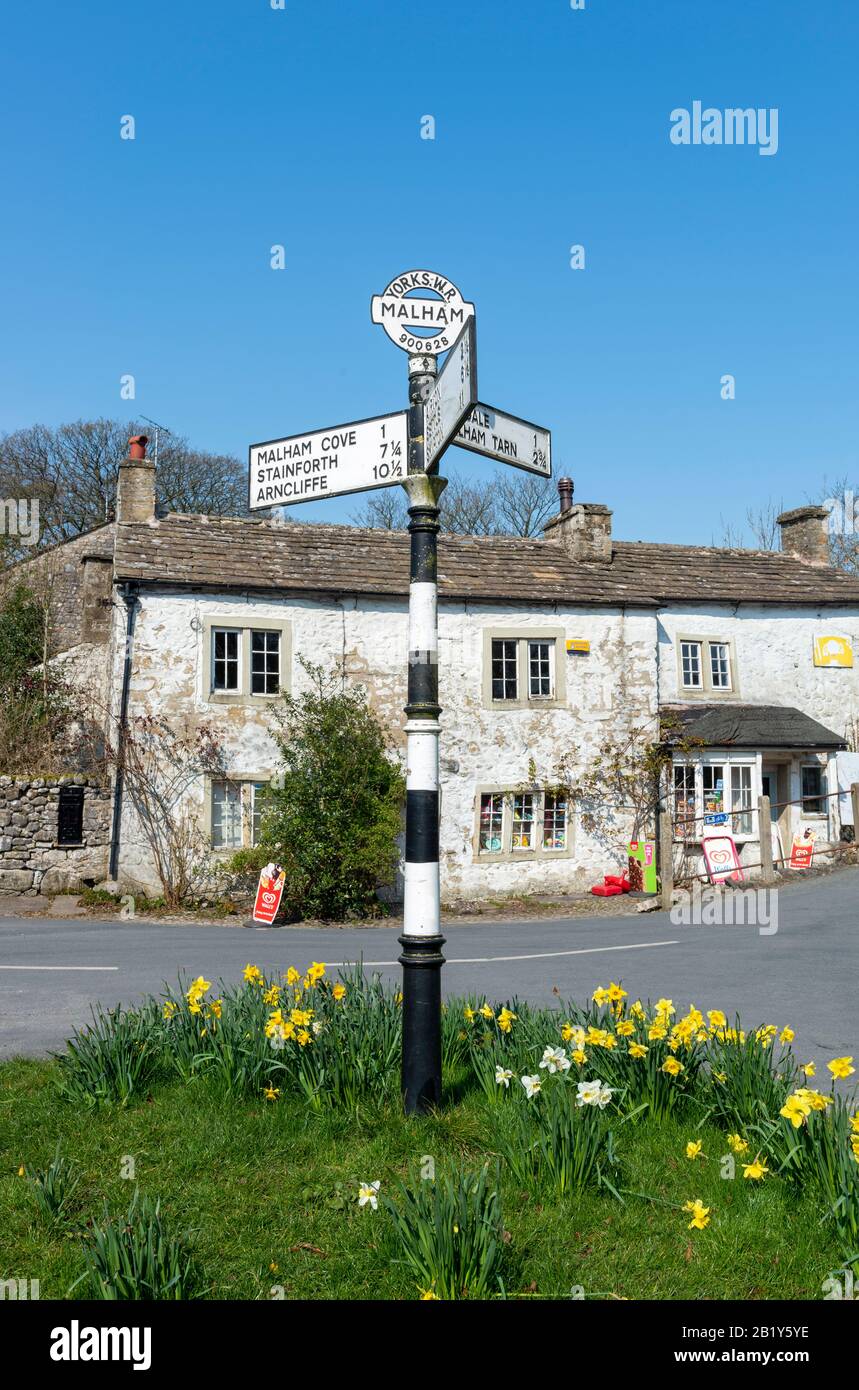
766	839
666	858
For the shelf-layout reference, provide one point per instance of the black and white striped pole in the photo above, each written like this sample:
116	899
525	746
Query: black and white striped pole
421	940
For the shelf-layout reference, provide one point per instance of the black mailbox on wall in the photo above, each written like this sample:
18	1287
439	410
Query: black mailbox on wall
70	816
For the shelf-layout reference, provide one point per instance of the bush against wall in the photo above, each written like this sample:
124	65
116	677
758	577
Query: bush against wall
38	706
334	810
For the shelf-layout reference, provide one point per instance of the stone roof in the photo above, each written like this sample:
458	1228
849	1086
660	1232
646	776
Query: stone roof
246	553
231	552
707	574
750	726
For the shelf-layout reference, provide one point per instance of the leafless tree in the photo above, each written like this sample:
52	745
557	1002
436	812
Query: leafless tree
762	526
73	471
515	505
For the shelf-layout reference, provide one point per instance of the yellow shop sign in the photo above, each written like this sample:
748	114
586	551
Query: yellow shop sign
833	651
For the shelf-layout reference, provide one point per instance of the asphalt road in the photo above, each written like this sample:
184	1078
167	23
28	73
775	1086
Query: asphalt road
805	974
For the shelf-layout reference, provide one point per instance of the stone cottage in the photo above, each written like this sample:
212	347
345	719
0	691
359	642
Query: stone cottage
548	650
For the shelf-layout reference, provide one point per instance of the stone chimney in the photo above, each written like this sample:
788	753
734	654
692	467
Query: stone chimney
135	498
805	534
582	528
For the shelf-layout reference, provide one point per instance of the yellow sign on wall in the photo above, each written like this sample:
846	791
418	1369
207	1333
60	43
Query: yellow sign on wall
578	644
833	651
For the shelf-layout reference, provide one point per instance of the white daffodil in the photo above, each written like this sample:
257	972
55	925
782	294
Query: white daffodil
317	1026
605	1096
532	1085
554	1059
503	1077
368	1193
593	1093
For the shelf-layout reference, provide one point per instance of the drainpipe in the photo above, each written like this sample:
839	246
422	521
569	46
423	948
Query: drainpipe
129	597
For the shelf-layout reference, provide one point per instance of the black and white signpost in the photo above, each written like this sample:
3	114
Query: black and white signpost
425	315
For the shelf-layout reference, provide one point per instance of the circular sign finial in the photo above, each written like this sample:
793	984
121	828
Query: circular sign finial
421	311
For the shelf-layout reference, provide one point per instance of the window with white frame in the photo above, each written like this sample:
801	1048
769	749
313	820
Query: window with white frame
554	821
265	662
813	789
226	815
541	660
255	796
741	799
245	661
714	791
505	676
236	812
720	665
522	670
706	665
684	802
491	830
226	658
523	821
515	824
690	664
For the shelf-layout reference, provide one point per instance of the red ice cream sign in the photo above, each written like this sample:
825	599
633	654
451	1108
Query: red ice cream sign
269	894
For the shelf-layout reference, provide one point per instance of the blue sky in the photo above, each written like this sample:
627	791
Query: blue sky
301	127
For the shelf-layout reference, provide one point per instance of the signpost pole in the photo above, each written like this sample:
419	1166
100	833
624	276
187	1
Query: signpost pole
422	941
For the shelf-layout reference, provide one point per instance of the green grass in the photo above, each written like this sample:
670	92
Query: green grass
257	1183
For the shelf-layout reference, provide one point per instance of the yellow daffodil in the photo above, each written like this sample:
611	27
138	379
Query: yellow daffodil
21	1172
487	1012
625	1028
600	995
637	1050
169	1010
303	1037
615	993
339	992
693	1149
841	1067
786	1035
637	1009
809	1069
756	1170
429	1295
292	976
737	1144
505	1020
272	1092
672	1067
699	1213
795	1109
665	1008
579	1057
272	995
656	1032
315	972
716	1018
252	975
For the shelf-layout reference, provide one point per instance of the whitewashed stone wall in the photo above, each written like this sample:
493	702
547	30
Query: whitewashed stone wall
774	650
613	686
